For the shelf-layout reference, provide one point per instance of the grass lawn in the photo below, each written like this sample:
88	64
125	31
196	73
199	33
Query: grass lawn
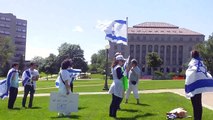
91	85
96	107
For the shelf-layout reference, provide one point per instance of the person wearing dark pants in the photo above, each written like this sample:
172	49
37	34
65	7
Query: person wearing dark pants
28	89
116	88
12	78
114	106
197	106
28	77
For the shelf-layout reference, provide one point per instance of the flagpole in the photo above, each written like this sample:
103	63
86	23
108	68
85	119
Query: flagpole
127	29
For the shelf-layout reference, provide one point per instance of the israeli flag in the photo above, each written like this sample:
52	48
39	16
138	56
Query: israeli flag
198	80
117	32
5	84
3	89
73	75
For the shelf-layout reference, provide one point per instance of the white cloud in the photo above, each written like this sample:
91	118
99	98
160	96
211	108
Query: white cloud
102	24
78	29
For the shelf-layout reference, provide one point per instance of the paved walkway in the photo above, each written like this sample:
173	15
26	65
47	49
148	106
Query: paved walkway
207	98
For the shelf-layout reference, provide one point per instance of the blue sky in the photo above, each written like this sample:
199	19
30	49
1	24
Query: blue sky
53	22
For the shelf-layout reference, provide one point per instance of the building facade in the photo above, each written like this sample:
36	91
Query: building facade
173	45
16	29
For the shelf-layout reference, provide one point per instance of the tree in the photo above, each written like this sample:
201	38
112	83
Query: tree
73	52
153	60
206	53
7	49
50	65
98	61
40	62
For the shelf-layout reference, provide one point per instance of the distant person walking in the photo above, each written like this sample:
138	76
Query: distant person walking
116	88
134	76
27	81
13	78
198	80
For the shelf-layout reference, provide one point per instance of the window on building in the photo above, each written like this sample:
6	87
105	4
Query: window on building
180	55
174	55
156	48
144	37
138	53
162	49
150	48
132	51
143	56
168	55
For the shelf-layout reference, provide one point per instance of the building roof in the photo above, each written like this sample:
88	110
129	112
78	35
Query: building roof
160	28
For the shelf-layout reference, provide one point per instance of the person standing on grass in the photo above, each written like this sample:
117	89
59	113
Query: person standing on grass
198	80
64	81
116	88
27	81
12	78
134	76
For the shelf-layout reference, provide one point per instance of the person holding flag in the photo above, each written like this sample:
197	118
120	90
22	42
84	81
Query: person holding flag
27	81
198	80
116	88
134	76
12	84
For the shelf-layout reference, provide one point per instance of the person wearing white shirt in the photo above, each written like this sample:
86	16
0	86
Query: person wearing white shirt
134	75
116	88
64	81
27	82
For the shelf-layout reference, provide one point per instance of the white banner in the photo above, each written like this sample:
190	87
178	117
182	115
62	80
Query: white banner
63	103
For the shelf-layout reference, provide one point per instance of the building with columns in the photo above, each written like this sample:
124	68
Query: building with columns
16	29
173	45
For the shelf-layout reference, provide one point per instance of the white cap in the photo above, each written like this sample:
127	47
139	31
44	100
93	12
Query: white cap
120	57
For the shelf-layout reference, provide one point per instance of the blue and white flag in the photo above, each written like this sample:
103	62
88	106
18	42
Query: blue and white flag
73	75
198	80
3	89
5	84
117	32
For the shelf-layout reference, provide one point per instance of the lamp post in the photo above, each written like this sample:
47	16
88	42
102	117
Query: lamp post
106	69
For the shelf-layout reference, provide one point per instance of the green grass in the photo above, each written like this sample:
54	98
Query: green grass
96	107
92	85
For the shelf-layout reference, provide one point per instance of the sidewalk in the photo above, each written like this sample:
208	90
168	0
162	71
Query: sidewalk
207	98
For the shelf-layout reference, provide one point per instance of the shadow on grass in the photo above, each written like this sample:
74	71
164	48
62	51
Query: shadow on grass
81	108
71	117
137	117
140	104
35	108
16	108
129	110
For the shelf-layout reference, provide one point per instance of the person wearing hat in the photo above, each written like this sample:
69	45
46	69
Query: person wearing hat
134	76
116	88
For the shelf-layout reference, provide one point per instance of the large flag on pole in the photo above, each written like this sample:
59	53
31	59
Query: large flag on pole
117	32
198	80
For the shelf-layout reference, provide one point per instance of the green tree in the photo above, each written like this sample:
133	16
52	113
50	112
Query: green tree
153	60
74	52
50	65
98	61
7	49
40	61
206	53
